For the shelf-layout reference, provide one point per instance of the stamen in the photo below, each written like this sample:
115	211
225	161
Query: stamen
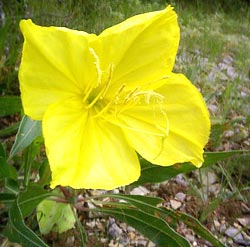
99	75
119	93
97	65
111	69
104	90
131	95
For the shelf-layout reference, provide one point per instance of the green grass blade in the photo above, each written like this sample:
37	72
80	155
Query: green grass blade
83	234
10	105
10	130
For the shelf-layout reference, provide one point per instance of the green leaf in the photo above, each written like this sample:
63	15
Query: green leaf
10	105
149	205
151	226
213	204
6	170
144	217
17	232
31	197
145	203
83	234
54	216
11	186
214	157
155	174
10	130
29	156
27	132
7	198
193	223
2	151
44	173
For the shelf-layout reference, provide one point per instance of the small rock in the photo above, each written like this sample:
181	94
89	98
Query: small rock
70	240
124	240
114	231
211	178
180	180
140	191
214	188
91	224
97	192
216	224
130	229
228	133
190	237
246	237
113	244
180	196
103	240
115	191
245	208
175	204
150	244
132	235
207	178
223	227
213	108
234	234
244	221
142	242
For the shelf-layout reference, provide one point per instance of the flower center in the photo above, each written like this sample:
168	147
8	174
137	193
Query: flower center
123	98
96	92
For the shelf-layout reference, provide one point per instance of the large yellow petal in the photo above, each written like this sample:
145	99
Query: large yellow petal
56	63
145	125
142	49
188	126
84	152
189	123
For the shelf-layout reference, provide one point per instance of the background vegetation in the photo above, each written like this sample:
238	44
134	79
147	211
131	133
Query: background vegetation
214	53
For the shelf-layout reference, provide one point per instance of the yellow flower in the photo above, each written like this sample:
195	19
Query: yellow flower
104	98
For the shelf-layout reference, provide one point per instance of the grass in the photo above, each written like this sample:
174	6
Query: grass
214	54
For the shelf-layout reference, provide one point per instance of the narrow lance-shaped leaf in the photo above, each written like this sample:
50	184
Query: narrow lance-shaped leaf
16	231
145	219
152	227
27	132
83	234
194	224
155	174
149	205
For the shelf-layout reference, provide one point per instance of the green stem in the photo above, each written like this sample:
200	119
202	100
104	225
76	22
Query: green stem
83	234
27	165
